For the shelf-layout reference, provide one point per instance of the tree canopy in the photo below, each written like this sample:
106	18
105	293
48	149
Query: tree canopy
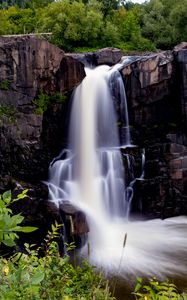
77	24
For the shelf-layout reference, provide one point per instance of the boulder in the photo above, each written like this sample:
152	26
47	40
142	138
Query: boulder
77	219
105	56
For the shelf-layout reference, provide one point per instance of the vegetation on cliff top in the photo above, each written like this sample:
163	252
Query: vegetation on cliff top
95	23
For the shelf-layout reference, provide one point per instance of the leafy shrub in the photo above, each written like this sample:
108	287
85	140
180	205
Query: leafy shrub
5	85
156	290
28	276
9	223
7	110
43	101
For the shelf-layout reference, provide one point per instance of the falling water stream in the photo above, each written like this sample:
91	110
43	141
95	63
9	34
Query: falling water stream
91	177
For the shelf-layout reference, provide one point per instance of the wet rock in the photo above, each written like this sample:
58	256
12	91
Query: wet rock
105	56
149	80
76	219
157	96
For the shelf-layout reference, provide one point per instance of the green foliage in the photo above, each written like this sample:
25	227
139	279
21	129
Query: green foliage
178	17
108	5
29	276
9	223
44	101
15	20
5	85
24	3
73	23
165	22
155	290
129	31
97	23
7	110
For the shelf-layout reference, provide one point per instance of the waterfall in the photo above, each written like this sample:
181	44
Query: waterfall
90	176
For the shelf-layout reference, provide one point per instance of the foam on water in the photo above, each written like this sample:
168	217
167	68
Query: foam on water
91	177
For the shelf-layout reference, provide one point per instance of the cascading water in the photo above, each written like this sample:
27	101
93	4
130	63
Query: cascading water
91	177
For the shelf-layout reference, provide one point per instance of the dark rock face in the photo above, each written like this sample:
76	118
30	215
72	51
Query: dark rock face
108	56
75	223
149	86
156	92
29	142
156	88
105	56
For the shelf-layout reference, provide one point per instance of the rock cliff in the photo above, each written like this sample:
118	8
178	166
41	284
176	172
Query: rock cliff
156	88
29	67
157	95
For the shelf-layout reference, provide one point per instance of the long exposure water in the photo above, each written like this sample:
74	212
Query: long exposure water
91	177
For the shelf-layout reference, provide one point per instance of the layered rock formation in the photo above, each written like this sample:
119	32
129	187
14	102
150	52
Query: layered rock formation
156	87
156	92
105	56
31	66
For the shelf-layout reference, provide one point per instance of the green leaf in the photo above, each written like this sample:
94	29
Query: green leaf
38	277
137	287
17	219
9	242
26	229
2	204
22	195
7	197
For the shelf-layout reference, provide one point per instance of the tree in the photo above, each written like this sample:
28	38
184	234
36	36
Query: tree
155	24
128	28
178	17
73	24
164	22
108	5
16	21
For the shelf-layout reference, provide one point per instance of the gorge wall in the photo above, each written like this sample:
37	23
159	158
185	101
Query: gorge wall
30	67
156	92
156	87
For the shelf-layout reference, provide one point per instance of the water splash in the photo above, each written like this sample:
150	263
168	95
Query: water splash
91	176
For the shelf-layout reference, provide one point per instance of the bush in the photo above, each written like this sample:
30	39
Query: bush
155	290
28	276
43	101
9	223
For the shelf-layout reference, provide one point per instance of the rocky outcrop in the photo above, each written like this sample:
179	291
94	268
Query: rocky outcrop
149	83
105	56
157	102
156	92
75	224
180	54
30	66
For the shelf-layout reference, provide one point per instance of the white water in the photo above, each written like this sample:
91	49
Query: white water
91	177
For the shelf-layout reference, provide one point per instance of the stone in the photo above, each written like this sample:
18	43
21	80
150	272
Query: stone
156	88
76	226
107	56
181	46
77	219
70	74
29	141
